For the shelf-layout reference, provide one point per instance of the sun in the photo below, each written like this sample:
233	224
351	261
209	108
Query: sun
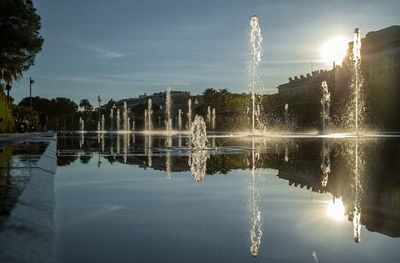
334	50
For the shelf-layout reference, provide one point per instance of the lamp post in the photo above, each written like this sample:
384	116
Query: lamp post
31	81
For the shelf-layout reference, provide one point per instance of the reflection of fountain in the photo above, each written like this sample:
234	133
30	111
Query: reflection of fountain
189	115
286	152
256	53
149	118
199	133
357	196
82	140
325	163
168	119
256	217
325	103
126	143
198	164
118	143
168	165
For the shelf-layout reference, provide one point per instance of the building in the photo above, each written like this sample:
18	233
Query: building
380	52
311	83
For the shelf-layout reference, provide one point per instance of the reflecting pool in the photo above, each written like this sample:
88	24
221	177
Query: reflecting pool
138	198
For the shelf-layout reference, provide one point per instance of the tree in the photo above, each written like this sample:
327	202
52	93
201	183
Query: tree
87	107
20	40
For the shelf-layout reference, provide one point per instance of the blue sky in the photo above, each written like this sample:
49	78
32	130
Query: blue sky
124	48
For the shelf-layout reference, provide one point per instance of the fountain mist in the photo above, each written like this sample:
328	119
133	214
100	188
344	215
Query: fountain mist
357	105
168	121
150	113
199	133
189	115
325	103
118	120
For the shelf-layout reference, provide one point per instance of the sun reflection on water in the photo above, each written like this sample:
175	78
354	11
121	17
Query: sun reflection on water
335	209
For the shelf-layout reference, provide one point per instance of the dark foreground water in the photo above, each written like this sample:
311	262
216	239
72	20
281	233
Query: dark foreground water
149	199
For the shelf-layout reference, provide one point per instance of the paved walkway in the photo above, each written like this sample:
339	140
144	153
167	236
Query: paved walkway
27	235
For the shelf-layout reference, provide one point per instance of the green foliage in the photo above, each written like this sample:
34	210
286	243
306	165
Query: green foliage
58	107
7	125
20	40
85	104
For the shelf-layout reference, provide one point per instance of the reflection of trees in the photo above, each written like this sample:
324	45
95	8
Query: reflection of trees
66	160
85	158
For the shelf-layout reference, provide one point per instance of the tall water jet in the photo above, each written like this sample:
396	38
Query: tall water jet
325	105
118	120
150	113
189	115
357	82
133	126
111	119
199	133
128	123
102	123
125	116
213	119
168	120
286	117
179	119
209	116
81	124
255	53
146	116
98	126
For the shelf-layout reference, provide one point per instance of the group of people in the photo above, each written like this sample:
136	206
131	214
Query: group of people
24	125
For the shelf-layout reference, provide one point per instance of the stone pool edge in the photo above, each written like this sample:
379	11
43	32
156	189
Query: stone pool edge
28	234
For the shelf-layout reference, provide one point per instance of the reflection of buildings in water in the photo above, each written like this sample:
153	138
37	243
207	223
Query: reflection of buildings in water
361	201
198	164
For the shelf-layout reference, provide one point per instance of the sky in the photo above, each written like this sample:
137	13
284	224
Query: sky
125	48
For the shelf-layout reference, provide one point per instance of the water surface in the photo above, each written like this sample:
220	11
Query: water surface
149	199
